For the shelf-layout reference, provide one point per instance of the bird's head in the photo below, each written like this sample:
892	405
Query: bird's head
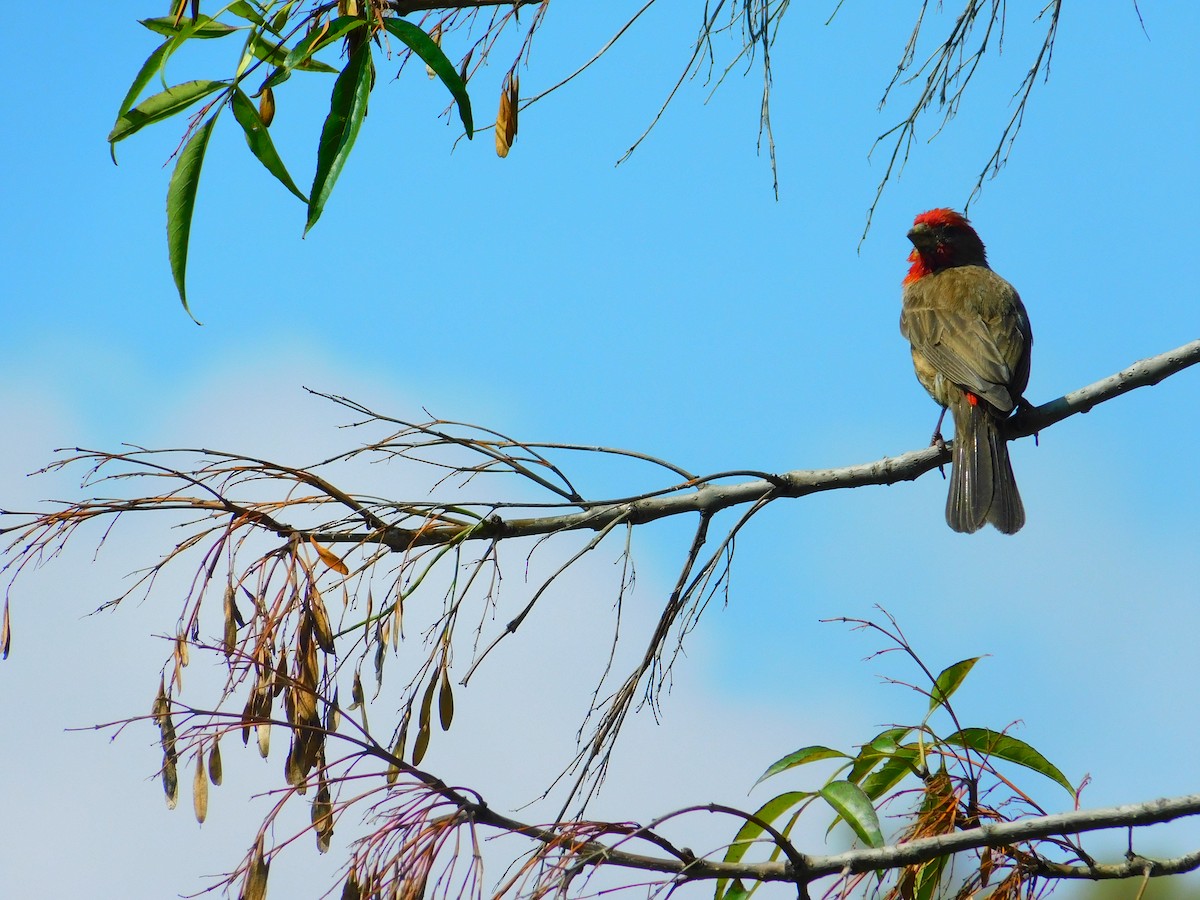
942	238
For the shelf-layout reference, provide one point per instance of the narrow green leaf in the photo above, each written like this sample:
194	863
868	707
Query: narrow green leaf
889	774
735	891
880	748
281	16
260	141
148	70
997	744
929	878
245	11
347	107
768	812
423	45
181	200
799	758
849	802
161	106
300	56
949	681
269	50
204	27
750	832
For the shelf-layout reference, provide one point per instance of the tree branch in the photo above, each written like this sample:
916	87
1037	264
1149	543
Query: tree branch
711	498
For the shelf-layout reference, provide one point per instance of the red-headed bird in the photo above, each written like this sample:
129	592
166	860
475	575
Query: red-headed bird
970	341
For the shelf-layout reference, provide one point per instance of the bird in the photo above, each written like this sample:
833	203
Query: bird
971	343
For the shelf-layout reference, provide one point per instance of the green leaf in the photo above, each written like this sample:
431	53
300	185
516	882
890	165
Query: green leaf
161	106
244	10
735	891
145	73
799	758
423	45
281	16
299	57
270	51
181	200
949	681
852	805
204	27
148	70
260	141
883	746
894	770
750	832
997	744
347	107
929	878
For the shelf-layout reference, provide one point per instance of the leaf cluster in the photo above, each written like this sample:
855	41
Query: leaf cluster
951	777
277	39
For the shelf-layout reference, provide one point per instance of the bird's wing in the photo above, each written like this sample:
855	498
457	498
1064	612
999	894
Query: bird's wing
963	347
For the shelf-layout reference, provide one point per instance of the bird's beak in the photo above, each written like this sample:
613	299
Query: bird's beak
920	235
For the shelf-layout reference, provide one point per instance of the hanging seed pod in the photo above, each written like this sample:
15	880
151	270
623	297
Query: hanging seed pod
200	789
214	765
266	106
254	886
506	118
321	628
170	779
229	641
445	701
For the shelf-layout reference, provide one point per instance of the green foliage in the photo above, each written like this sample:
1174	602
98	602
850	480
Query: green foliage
284	36
953	774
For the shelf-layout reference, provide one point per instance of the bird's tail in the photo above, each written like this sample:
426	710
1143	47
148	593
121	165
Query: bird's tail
982	486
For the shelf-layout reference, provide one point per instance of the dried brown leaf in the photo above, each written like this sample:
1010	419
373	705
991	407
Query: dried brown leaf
331	559
5	633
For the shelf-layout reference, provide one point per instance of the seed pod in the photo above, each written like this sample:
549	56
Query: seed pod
266	106
445	702
506	119
200	789
214	765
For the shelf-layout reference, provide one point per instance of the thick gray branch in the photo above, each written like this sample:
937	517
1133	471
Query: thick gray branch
712	498
925	849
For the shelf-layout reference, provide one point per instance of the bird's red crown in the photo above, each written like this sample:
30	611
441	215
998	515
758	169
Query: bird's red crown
941	218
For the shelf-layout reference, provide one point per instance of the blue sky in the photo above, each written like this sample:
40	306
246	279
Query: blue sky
669	304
